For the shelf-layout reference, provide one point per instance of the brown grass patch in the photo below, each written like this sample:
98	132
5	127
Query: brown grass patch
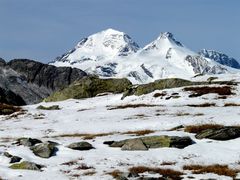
202	105
83	166
199	91
166	173
6	109
222	170
115	174
231	104
139	132
199	128
89	173
85	136
182	114
167	163
131	106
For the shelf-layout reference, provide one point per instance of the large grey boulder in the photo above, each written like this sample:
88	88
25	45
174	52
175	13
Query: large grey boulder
134	145
81	146
44	150
221	133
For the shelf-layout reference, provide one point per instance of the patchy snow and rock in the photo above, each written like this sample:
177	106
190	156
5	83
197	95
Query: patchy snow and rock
95	121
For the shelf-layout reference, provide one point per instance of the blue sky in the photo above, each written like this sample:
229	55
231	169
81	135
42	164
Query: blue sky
44	29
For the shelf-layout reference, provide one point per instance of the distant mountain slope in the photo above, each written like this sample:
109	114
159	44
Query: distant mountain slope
112	53
220	58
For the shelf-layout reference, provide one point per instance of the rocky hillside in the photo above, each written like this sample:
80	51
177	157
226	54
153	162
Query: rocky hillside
25	81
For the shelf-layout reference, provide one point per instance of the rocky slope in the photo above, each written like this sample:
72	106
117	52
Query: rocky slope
25	81
102	54
221	58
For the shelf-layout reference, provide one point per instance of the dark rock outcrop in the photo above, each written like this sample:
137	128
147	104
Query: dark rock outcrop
49	76
221	133
9	97
2	62
25	81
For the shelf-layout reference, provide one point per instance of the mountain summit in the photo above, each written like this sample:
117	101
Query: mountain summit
106	44
111	53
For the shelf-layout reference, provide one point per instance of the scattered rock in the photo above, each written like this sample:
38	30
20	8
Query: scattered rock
221	133
13	159
44	150
27	165
81	146
108	142
154	142
54	107
28	141
134	145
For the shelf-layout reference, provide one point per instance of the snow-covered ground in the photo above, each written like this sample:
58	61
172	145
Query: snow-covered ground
92	116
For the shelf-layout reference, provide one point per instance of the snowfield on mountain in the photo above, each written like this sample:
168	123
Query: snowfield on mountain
112	53
94	124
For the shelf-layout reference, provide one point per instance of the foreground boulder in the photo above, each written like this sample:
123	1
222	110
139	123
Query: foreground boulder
144	143
44	150
90	87
134	145
28	141
27	166
81	146
221	133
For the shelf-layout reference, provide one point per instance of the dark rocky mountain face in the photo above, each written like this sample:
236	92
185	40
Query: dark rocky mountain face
51	77
2	62
220	58
25	81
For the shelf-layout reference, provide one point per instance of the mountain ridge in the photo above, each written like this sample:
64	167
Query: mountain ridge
164	57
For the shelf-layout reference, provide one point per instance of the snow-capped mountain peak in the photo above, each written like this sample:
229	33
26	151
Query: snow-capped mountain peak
165	40
111	53
103	45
